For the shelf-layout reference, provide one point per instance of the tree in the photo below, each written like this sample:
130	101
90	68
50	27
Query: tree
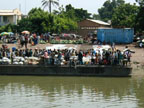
96	16
140	17
125	15
39	21
141	2
75	14
48	3
106	11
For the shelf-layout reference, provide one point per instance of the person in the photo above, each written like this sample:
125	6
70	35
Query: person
22	40
99	58
52	58
96	60
80	58
30	53
125	58
59	57
20	53
93	59
129	57
13	55
36	53
120	57
126	49
26	41
113	46
45	57
38	39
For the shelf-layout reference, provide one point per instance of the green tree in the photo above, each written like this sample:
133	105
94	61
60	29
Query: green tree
24	24
75	14
141	2
39	21
49	3
96	16
7	28
107	10
140	17
125	15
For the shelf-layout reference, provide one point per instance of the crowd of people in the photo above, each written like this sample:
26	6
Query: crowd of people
111	56
33	39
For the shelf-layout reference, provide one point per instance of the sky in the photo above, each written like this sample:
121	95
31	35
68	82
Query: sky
26	5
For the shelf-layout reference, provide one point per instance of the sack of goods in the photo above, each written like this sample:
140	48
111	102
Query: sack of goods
33	60
5	60
18	61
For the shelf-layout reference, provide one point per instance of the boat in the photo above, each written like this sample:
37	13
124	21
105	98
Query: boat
80	70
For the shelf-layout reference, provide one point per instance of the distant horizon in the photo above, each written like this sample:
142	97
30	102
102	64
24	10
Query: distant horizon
25	6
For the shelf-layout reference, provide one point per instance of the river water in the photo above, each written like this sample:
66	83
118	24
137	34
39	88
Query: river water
71	92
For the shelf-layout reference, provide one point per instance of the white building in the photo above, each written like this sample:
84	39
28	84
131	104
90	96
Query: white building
9	16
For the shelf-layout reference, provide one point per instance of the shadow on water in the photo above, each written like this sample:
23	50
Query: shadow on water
79	86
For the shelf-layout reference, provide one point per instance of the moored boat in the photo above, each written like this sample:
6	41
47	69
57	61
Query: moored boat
80	70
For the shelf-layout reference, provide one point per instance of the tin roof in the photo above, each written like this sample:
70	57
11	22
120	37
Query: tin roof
99	22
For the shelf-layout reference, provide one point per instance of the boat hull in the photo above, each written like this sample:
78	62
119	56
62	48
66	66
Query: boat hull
38	70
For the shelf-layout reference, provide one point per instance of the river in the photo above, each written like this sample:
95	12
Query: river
71	92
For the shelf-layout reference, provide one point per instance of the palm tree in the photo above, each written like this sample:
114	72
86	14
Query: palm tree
48	3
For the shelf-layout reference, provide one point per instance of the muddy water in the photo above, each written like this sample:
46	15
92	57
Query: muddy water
71	92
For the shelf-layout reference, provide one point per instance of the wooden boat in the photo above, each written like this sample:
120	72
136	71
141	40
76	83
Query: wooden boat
82	70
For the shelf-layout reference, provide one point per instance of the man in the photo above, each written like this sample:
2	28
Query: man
80	57
45	57
22	40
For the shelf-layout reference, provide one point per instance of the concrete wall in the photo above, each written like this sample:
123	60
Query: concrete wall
12	16
108	71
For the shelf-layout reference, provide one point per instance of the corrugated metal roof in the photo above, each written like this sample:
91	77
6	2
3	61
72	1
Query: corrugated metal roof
98	21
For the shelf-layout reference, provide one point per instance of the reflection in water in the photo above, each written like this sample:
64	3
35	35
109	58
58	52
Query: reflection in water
75	92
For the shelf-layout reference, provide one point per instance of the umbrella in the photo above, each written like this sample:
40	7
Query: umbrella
25	32
10	33
4	33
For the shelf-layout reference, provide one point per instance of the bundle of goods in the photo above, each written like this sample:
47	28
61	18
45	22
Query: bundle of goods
42	42
74	58
19	61
87	60
5	60
80	41
33	60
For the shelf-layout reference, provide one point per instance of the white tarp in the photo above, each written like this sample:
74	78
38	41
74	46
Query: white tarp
101	47
60	47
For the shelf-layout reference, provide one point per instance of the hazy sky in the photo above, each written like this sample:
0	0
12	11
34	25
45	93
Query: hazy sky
26	5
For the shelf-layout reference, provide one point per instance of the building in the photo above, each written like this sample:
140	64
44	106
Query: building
89	26
9	16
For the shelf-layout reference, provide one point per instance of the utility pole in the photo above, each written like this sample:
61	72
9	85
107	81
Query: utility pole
19	7
25	7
